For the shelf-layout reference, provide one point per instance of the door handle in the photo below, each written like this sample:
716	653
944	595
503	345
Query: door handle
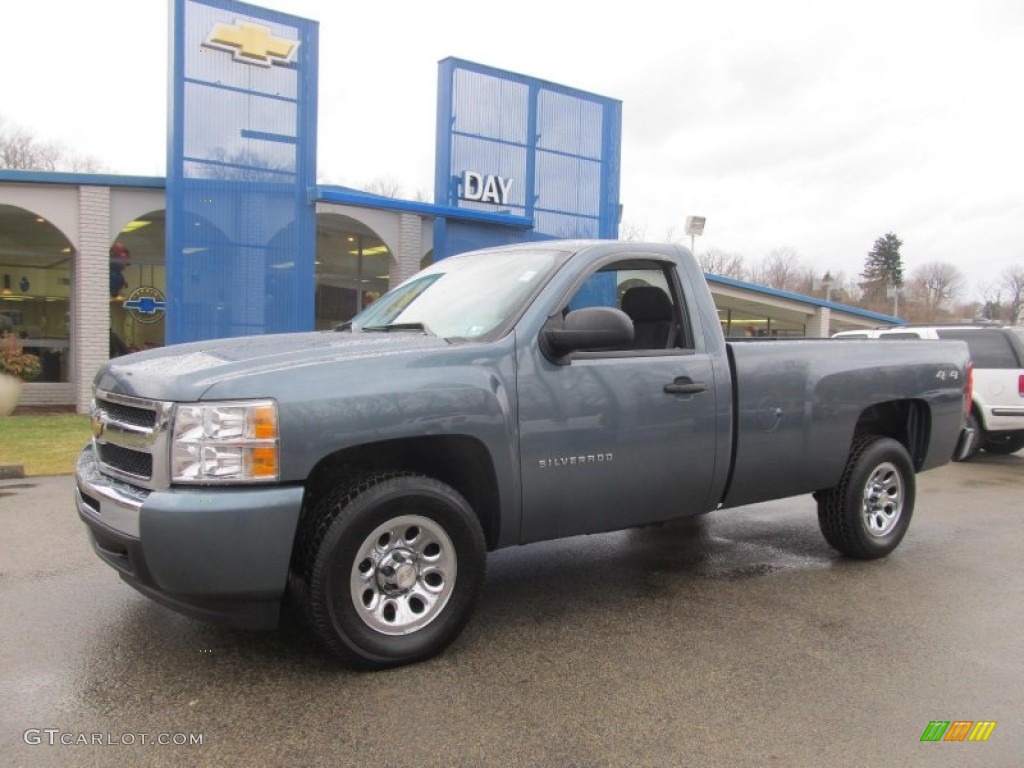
684	385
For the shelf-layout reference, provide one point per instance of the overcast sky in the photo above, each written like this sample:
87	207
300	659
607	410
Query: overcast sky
808	124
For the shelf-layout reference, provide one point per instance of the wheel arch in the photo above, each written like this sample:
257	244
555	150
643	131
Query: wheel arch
907	421
461	461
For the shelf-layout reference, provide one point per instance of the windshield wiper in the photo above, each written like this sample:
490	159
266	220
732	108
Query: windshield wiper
421	327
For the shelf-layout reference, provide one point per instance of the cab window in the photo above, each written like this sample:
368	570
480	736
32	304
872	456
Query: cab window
647	292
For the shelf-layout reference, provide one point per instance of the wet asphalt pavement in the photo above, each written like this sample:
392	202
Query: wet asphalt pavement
736	639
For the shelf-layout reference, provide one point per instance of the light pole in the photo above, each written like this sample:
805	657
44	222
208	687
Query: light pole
893	292
826	282
694	227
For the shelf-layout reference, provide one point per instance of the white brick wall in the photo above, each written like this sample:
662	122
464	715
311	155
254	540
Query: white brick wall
46	394
817	324
407	259
91	301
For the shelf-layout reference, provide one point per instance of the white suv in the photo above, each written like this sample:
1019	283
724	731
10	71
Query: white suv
997	412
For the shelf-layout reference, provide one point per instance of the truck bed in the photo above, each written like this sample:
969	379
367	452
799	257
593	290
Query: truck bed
800	400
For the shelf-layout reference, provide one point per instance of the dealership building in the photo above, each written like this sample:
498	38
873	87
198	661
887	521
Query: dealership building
239	239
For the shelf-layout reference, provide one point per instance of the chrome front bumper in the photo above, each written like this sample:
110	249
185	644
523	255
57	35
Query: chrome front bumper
109	502
219	554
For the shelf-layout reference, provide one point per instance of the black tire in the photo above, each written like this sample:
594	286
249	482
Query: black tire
1004	444
391	565
977	440
867	514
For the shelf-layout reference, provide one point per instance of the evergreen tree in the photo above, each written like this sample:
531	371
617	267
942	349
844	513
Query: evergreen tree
883	266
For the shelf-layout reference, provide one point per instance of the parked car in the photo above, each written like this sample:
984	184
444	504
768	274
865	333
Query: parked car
997	410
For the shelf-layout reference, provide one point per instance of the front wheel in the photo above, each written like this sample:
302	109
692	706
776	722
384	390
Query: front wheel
868	512
394	569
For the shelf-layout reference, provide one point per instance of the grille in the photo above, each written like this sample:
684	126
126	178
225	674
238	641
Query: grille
126	460
131	439
127	414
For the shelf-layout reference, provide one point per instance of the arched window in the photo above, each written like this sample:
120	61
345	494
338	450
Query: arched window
138	285
35	288
353	266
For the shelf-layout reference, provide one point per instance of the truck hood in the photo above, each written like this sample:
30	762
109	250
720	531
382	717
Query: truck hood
184	372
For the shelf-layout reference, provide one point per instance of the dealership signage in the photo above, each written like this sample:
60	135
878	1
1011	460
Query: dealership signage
146	304
485	188
252	43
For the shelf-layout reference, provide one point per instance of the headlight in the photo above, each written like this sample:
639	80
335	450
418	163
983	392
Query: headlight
231	442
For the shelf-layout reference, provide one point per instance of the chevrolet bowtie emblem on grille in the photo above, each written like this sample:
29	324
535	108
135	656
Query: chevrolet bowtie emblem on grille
252	43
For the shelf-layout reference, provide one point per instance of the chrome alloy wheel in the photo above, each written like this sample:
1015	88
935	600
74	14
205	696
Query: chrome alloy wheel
403	574
883	499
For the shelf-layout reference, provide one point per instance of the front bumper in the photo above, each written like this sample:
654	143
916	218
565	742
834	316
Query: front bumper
217	554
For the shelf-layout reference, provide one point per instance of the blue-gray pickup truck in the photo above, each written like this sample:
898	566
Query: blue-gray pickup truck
497	398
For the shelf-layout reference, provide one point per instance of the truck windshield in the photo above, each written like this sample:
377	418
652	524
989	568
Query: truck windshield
466	296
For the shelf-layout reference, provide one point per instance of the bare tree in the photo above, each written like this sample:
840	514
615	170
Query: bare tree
242	165
1013	282
16	150
808	281
632	232
991	305
844	289
970	310
933	286
19	150
781	269
385	186
716	261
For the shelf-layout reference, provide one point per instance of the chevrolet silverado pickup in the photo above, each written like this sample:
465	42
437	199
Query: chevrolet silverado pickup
497	398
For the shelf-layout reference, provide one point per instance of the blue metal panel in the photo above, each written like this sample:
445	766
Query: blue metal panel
333	194
83	179
490	106
241	158
569	124
558	145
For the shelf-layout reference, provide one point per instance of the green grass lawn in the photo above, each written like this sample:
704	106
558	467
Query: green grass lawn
45	444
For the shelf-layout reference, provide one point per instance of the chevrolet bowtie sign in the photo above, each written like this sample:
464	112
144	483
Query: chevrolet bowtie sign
252	43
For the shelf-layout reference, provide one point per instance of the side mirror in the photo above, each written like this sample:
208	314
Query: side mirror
592	329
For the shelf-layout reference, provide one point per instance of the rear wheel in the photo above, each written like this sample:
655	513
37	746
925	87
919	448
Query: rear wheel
1005	443
868	512
393	568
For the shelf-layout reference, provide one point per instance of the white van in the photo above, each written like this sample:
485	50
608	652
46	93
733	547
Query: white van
997	412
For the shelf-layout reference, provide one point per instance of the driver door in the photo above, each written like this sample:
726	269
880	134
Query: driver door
622	438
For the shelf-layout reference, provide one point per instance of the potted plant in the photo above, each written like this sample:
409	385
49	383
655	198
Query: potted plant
16	366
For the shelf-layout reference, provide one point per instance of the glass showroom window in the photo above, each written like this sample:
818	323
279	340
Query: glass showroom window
35	289
138	284
352	269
